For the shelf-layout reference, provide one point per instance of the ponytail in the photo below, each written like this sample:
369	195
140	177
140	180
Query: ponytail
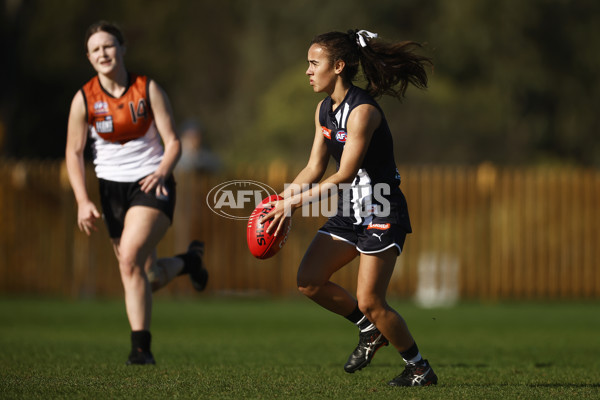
387	67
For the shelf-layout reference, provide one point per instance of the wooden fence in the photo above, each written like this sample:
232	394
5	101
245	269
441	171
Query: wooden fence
479	233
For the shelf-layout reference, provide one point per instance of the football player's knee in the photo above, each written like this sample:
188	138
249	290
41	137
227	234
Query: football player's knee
127	266
306	288
370	308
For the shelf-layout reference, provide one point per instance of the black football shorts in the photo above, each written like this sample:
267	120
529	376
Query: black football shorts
118	197
375	237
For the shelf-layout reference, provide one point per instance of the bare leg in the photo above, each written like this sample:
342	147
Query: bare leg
375	272
144	228
324	257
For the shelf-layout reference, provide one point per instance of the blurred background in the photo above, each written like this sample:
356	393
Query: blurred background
499	156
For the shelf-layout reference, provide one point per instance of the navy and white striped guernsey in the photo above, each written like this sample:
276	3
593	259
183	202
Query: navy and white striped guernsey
378	168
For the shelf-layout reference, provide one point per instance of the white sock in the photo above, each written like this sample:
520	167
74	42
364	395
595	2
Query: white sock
414	360
365	328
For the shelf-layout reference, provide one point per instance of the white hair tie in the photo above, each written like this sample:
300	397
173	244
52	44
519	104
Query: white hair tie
363	36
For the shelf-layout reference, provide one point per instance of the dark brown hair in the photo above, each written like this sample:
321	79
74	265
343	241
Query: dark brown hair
387	67
104	26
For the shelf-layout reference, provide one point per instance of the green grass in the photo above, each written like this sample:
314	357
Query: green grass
243	348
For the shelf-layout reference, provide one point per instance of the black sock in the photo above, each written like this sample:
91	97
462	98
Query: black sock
412	355
359	319
355	316
188	259
141	340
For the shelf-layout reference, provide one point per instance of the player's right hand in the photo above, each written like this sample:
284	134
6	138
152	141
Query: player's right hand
87	214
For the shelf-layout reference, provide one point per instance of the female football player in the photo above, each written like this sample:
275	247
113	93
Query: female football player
372	218
126	116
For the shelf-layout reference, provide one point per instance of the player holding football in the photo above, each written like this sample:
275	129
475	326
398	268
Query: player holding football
371	222
126	116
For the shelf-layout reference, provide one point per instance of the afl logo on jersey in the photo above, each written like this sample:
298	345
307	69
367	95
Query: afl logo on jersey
341	136
100	107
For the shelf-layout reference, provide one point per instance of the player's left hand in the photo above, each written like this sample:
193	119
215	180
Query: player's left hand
154	182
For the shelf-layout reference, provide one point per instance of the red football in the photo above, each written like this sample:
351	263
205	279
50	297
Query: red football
262	244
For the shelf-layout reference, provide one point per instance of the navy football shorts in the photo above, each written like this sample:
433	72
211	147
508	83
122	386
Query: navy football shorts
118	197
377	236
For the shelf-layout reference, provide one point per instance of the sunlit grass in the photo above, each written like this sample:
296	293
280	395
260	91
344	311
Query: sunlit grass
261	348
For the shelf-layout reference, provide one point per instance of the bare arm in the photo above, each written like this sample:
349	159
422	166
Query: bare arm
362	122
163	117
77	128
317	163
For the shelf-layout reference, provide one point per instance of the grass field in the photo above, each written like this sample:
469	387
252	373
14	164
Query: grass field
242	348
